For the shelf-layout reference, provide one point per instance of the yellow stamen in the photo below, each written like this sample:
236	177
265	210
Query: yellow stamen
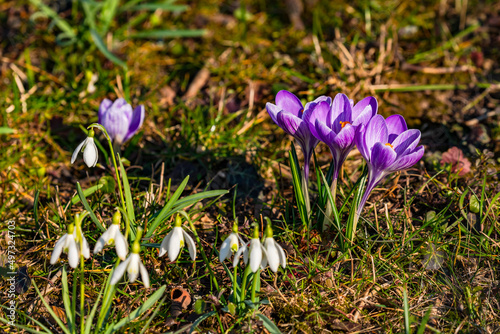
344	124
389	144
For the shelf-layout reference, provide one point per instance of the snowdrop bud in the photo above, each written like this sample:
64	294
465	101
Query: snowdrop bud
117	218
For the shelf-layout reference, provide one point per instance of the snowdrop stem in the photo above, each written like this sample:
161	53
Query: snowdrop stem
256	280
82	296
200	246
244	282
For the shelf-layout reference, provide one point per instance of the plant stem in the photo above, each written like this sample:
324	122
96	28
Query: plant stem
305	191
82	296
328	211
256	278
244	283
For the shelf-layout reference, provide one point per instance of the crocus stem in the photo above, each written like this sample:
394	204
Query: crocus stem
328	211
235	283
118	180
256	278
368	190
244	282
82	296
305	192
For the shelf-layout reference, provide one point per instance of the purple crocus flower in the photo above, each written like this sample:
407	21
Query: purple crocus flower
387	146
119	120
336	125
291	116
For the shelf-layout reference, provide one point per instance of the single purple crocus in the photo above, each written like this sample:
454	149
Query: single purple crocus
335	124
119	120
293	118
387	146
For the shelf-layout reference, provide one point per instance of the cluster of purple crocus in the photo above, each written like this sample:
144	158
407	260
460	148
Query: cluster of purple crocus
386	144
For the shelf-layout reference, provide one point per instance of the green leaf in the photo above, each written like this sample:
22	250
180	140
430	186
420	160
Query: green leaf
60	23
88	208
107	12
164	212
102	47
156	34
141	309
49	309
270	326
162	6
87	192
199	320
128	193
67	304
5	130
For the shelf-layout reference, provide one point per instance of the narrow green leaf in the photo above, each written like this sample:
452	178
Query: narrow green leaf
87	192
66	301
270	326
60	23
162	6
102	47
141	309
88	208
156	34
200	319
51	312
425	319
406	311
107	13
164	212
128	194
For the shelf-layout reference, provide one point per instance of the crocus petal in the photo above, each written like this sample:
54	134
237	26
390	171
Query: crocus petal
190	244
382	156
90	154
121	246
225	249
119	271
136	122
238	254
102	241
289	103
105	104
345	138
376	132
85	249
359	140
341	111
406	161
290	123
133	267
325	134
364	110
273	111
165	243
58	248
406	141
117	120
77	150
144	275
73	254
174	245
311	105
396	125
319	112
272	254
255	254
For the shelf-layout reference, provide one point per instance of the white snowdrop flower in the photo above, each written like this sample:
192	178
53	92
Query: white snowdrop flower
113	236
133	265
175	240
231	244
274	252
73	243
90	153
253	252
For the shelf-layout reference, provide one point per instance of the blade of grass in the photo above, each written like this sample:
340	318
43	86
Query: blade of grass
88	208
99	43
158	34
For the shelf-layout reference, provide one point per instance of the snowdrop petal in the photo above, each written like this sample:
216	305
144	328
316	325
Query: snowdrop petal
133	267
102	241
90	153
282	255
144	275
85	249
73	254
190	244
121	246
174	245
77	150
272	254
58	248
164	244
238	254
225	249
119	271
255	254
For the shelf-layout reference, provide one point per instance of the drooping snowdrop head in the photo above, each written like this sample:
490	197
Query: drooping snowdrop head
113	236
275	256
175	240
90	153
